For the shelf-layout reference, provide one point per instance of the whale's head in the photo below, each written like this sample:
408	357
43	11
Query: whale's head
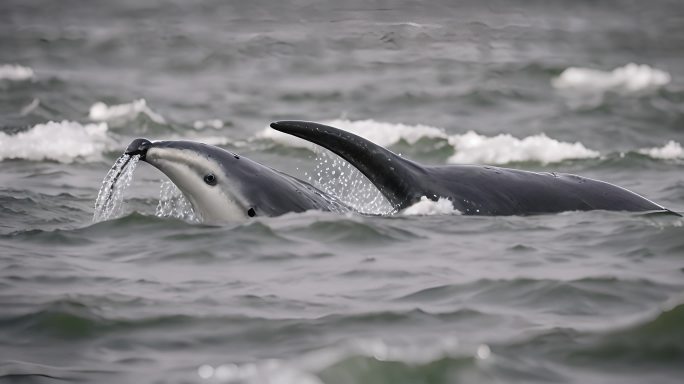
215	181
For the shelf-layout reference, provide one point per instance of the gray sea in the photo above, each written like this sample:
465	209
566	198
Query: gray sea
594	88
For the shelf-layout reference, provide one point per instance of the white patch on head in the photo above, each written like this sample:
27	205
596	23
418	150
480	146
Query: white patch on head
186	169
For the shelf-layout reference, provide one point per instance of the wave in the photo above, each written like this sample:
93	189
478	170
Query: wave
367	360
440	356
504	148
631	78
69	141
381	133
122	113
655	341
14	72
64	141
658	339
671	150
211	123
87	316
470	147
352	230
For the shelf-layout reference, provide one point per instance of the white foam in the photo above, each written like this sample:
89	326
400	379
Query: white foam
63	141
123	112
213	123
387	134
628	79
427	207
671	150
14	72
285	139
469	147
504	148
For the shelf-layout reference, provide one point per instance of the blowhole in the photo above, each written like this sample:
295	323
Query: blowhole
251	212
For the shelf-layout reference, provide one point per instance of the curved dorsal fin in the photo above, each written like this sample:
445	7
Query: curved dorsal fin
394	176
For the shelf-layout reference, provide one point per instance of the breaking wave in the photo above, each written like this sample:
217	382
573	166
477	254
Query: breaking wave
121	113
631	78
68	141
64	141
469	147
14	72
671	150
504	148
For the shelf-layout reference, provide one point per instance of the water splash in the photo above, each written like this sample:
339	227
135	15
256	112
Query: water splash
427	207
340	179
109	202
173	204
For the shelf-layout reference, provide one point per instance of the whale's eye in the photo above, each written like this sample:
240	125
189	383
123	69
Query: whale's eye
210	179
251	212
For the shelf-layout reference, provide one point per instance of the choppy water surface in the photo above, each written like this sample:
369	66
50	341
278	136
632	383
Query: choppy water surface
146	294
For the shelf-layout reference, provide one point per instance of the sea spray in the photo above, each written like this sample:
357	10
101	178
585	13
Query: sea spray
172	203
340	179
109	203
427	207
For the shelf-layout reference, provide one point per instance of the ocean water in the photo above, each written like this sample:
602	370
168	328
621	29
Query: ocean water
149	295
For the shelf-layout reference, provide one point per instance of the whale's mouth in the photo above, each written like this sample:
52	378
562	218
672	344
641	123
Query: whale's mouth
138	147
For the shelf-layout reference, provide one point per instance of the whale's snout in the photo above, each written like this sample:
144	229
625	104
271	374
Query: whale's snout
138	147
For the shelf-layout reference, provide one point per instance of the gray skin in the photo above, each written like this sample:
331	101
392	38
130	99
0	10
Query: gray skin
223	186
473	189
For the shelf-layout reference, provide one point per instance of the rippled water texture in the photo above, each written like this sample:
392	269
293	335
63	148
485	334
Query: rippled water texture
147	294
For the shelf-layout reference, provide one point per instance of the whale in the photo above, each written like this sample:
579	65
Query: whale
472	189
224	186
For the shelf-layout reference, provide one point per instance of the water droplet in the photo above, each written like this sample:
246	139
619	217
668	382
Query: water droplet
205	371
483	352
173	204
344	183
